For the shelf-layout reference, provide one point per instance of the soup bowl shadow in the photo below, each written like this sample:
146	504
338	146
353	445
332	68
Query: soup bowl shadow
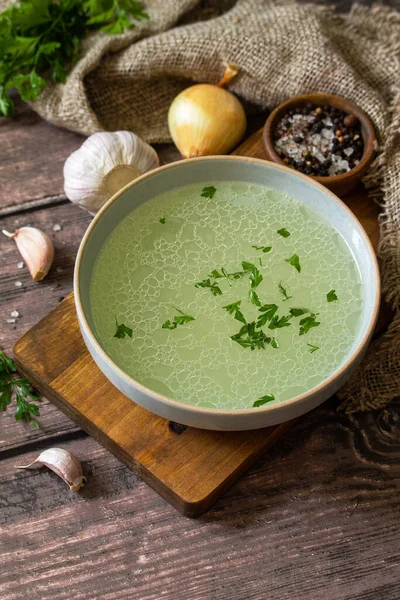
203	171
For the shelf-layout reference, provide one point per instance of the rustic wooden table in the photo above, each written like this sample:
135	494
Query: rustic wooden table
317	517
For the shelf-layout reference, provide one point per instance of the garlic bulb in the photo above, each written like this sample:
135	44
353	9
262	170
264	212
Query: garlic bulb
205	119
103	165
64	464
36	248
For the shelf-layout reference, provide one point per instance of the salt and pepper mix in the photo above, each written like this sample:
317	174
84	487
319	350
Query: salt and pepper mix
319	140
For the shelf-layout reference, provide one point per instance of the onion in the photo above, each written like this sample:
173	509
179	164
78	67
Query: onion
205	119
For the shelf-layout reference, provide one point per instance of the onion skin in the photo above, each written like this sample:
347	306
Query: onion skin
206	120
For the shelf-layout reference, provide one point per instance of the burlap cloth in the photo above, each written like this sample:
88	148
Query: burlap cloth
282	49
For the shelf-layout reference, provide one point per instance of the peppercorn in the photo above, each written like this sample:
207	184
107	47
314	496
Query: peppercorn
340	139
298	139
338	133
350	121
318	110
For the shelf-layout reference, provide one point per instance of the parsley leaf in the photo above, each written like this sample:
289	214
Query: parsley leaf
25	397
255	277
263	400
279	322
208	192
265	249
40	39
297	312
260	261
283	232
206	283
247	266
284	292
181	319
122	331
308	323
162	220
235	308
313	348
274	343
268	311
253	296
331	296
254	339
294	261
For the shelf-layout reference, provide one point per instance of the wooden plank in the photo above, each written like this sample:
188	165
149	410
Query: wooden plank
316	518
32	157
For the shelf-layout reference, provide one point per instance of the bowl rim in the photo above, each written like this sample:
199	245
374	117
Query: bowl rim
370	140
219	411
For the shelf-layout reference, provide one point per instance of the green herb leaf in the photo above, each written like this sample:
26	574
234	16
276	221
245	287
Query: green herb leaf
39	40
263	400
261	262
331	296
274	343
208	192
279	322
268	311
313	348
265	249
247	266
253	297
162	220
206	283
294	261
122	331
181	319
22	390
231	308
253	340
235	308
169	325
297	312
283	292
283	232
308	323
255	277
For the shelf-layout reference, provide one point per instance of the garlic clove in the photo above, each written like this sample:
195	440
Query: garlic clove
36	248
103	165
206	119
63	463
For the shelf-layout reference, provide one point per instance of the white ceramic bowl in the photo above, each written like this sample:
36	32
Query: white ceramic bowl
204	170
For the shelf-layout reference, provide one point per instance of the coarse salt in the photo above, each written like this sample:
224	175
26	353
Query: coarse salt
57	227
20	265
15	313
18	283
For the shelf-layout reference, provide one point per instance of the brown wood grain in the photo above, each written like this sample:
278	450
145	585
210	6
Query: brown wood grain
317	518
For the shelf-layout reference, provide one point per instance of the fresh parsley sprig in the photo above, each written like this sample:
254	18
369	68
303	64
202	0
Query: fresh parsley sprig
284	292
211	285
40	40
122	330
22	390
180	319
263	400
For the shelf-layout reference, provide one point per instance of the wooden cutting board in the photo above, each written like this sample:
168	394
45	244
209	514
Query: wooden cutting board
189	467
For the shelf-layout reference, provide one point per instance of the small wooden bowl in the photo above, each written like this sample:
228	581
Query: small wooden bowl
339	184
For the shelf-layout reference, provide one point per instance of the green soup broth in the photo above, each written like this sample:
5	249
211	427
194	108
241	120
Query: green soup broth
146	273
